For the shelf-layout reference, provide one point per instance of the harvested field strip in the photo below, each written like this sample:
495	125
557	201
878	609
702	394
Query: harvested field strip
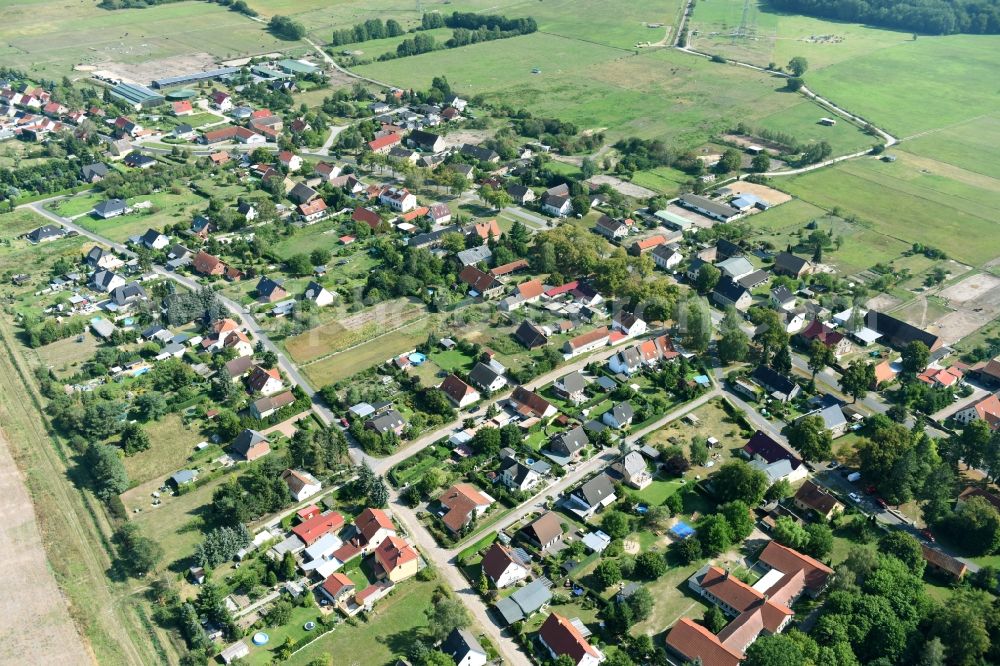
337	336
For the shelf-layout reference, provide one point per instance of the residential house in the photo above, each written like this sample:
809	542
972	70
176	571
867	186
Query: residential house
106	281
517	476
367	216
125	295
460	393
486	378
269	290
201	227
983	409
313	211
586	342
762	446
207	264
525	601
302	193
302	485
463	502
483	284
503	566
786	263
620	416
426	141
373	527
483	231
628	361
94	173
337	587
557	205
560	637
569	443
833	418
628	323
319	295
813	497
268	405
571	387
45	233
690	641
779	386
592	496
610	228
318	526
397	560
520	194
398	199
388	421
266	381
439	214
221	101
667	256
633	469
729	293
530	335
251	445
545	531
139	161
384	144
461	645
474	255
326	171
529	404
480	153
782	298
289	160
154	240
100	259
110	208
831	339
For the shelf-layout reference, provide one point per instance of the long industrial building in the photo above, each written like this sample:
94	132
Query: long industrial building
193	77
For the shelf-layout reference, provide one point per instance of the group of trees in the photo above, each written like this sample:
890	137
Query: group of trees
370	29
220	545
284	27
933	17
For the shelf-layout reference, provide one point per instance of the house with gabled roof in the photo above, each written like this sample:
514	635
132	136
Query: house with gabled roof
833	340
983	409
786	263
530	335
633	469
779	386
561	636
589	341
813	497
301	484
503	566
898	333
396	559
462	502
571	387
592	496
313	529
266	381
762	446
207	264
461	645
529	404
251	445
460	393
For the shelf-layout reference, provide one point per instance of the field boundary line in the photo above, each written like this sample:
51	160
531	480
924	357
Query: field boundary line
359	344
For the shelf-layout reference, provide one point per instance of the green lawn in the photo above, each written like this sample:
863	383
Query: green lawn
80	203
905	202
294	628
171	444
167	209
389	632
658	491
662	179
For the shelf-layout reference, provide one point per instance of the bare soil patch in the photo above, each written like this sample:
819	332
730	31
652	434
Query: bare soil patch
34	617
625	188
976	300
145	72
769	194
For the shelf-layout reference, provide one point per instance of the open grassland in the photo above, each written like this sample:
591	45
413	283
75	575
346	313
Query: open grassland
167	209
49	37
65	356
973	145
928	84
908	202
342	365
172	443
769	36
659	93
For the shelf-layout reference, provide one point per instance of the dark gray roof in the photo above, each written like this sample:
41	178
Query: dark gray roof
430	237
753	279
96	169
788	262
730	290
622	412
529	335
109	207
782	294
773	380
247	439
386	422
422	139
45	232
479	153
127	293
483	375
267	286
459	643
149	237
572	382
596	490
570	442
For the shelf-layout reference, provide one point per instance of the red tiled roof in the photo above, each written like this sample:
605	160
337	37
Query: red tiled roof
817	330
789	561
371	218
695	641
315	206
564	289
311	530
370	521
485	229
335	583
455	388
535	403
461	500
589	337
384	141
393	553
563	638
504	269
531	289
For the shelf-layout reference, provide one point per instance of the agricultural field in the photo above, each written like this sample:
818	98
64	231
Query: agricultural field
658	93
973	146
50	38
909	201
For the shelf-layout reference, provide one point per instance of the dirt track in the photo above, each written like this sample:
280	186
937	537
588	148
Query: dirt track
35	626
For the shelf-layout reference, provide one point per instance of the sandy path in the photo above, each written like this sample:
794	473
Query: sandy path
35	626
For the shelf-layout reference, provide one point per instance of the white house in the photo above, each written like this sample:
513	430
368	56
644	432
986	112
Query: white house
302	485
503	566
319	295
620	416
461	645
629	324
399	199
667	257
562	636
627	361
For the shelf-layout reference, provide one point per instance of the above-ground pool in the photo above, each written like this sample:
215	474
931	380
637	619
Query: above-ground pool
309	626
416	358
260	638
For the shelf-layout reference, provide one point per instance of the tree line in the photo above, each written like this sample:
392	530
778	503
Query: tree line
370	29
933	17
468	28
235	5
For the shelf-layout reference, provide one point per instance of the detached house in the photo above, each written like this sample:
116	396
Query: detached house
206	264
557	205
592	496
667	257
545	531
984	409
812	497
571	388
620	416
486	378
264	381
529	404
833	340
517	476
426	141
786	263
462	502
269	290
628	323
460	393
633	469
611	229
396	559
251	445
561	636
570	443
503	566
302	485
483	284
399	199
461	645
586	342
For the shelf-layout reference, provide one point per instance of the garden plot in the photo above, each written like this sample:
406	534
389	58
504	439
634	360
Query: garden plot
976	300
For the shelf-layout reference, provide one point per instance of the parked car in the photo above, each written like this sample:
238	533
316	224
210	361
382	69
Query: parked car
926	533
854	497
833	465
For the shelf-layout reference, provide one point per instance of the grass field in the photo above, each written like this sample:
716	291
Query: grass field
909	202
172	445
658	93
65	356
378	350
169	209
389	632
48	37
973	145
